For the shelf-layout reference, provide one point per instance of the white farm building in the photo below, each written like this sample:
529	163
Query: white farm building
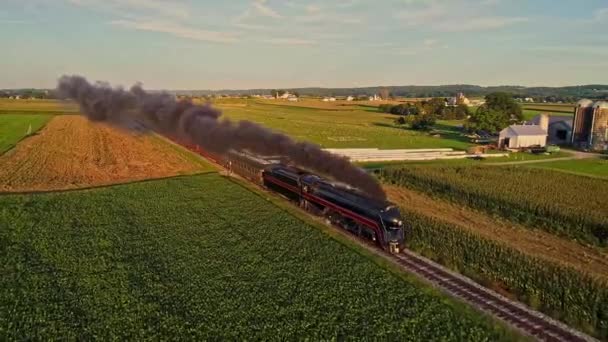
521	136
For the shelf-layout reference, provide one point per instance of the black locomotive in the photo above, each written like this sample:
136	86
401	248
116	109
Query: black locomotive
379	221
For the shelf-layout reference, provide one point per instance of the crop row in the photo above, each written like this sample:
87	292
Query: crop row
575	298
567	205
200	258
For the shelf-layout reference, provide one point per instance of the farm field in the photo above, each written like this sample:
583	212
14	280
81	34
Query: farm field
537	243
510	258
13	128
595	167
178	259
566	205
337	128
567	108
71	152
8	106
531	113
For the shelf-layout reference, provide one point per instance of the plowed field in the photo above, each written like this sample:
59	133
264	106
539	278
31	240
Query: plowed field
71	152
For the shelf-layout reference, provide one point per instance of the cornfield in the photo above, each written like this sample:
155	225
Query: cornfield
567	205
563	293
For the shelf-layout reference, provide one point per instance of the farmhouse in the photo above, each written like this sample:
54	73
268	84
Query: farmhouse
590	125
559	128
457	100
520	136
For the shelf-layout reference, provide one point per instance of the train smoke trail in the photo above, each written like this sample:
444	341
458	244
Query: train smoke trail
137	109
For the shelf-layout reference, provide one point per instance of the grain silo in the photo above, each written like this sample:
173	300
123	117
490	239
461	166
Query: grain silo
590	125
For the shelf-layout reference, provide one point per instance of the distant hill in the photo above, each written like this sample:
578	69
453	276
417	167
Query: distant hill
590	91
568	93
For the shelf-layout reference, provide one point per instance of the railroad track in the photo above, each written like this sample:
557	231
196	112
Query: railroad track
522	318
525	320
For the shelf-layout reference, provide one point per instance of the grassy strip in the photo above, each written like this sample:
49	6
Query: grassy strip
574	298
13	128
596	167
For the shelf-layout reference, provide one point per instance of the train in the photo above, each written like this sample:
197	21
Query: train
378	221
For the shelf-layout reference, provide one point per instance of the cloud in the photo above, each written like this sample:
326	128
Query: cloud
290	41
161	8
264	10
426	46
600	14
11	21
177	30
452	16
480	24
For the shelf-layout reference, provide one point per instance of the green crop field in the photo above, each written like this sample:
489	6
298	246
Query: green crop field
199	258
563	204
358	126
13	128
596	167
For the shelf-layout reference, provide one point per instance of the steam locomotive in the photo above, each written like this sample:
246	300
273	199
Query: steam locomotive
379	221
341	205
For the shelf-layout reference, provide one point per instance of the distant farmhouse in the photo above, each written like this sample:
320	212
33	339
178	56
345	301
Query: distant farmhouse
590	125
458	100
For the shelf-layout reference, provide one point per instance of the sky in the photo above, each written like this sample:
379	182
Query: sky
242	44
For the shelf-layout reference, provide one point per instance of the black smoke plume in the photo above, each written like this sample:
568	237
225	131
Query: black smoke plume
200	124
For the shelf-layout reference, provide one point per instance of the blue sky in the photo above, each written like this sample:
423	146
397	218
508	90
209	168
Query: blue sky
187	44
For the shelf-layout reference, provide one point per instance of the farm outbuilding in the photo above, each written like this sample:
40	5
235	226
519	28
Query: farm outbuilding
559	128
521	136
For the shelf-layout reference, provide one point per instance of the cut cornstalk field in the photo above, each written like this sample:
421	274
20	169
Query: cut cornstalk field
71	152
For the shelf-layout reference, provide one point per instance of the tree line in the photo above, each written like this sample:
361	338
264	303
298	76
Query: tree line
499	111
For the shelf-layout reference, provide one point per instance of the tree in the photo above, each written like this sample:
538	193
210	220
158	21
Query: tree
461	112
422	121
384	93
504	103
486	119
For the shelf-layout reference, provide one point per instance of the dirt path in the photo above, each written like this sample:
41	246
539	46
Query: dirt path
532	242
71	152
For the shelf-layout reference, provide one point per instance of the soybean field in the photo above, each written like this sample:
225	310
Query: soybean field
201	257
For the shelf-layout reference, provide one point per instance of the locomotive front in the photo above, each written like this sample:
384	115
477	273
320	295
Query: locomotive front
395	228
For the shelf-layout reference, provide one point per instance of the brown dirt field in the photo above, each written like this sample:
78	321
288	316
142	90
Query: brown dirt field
71	152
532	242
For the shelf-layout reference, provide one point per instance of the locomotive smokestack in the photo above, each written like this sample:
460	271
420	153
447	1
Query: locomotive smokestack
137	109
